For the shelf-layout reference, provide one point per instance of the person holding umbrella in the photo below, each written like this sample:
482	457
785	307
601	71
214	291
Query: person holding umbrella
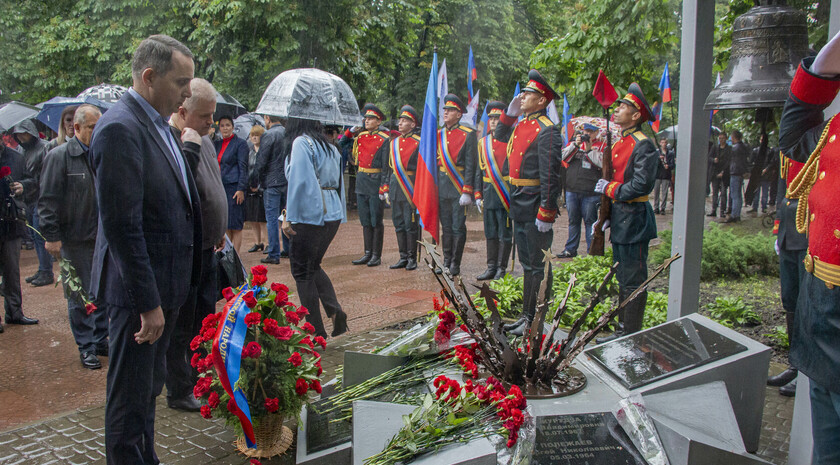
315	207
65	128
232	153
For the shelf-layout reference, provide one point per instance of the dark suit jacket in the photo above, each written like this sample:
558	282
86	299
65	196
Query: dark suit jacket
149	238
234	163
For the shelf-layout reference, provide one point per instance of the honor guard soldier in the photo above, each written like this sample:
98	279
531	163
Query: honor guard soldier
370	154
533	164
457	160
402	165
790	246
806	137
492	195
635	163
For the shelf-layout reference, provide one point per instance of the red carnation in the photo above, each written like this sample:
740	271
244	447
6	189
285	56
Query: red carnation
272	405
255	462
292	318
196	358
308	327
252	350
249	299
252	319
5	171
231	405
295	359
277	287
205	412
213	400
259	270
196	343
308	341
258	280
302	311
228	294
315	386
320	370
90	308
301	387
281	299
202	386
321	341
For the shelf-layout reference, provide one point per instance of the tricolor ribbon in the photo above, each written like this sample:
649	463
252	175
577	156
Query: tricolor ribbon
494	172
227	356
402	177
447	162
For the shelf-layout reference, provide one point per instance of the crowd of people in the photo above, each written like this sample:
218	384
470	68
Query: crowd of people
142	198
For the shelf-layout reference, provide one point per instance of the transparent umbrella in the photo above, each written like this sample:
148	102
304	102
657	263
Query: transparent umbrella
243	124
310	93
15	112
109	93
672	132
226	105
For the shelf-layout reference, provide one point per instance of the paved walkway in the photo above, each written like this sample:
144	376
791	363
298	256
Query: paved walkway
51	409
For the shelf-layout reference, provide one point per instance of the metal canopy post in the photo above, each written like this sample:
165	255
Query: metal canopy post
696	57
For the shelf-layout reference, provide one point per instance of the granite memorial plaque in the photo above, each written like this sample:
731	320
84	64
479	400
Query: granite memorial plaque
663	351
326	430
583	439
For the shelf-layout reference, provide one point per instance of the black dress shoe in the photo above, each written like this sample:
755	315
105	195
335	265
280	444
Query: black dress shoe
102	351
23	320
90	361
29	279
783	378
256	247
789	389
271	261
283	254
186	404
411	265
340	325
566	254
713	213
374	261
400	264
42	280
519	330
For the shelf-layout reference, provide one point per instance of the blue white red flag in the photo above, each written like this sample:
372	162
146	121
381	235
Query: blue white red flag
426	182
472	74
227	357
484	119
567	118
517	91
665	85
442	90
657	110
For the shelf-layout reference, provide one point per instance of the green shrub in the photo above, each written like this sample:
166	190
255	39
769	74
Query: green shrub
726	254
509	301
780	337
732	311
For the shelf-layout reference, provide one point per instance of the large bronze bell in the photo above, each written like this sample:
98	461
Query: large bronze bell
768	42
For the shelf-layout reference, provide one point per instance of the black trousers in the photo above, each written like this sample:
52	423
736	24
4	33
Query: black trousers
136	374
10	267
453	217
314	287
402	213
201	301
497	225
371	209
90	331
530	243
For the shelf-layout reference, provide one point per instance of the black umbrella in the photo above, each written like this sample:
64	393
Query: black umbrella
226	105
13	113
243	124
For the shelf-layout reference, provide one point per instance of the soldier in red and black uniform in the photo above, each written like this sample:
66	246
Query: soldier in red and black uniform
400	172
791	246
457	160
635	161
806	137
492	193
370	155
533	166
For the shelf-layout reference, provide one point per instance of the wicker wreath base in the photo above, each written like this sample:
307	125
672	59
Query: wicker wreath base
272	439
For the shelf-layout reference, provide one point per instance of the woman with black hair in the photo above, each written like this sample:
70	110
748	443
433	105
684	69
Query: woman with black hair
315	207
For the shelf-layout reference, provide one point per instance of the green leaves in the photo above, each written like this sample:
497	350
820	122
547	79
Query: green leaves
732	311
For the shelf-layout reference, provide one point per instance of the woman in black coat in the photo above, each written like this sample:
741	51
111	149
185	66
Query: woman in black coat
232	153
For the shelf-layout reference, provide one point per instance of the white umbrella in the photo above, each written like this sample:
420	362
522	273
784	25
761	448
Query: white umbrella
109	93
310	93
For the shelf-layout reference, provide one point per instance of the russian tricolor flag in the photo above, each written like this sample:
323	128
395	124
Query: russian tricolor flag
425	184
472	74
665	85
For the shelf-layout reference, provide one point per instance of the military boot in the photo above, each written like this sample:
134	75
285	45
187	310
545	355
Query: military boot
376	248
367	232
401	243
458	251
492	258
504	256
411	243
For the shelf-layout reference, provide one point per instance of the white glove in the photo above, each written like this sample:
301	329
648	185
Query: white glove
382	197
776	247
603	227
479	203
465	200
601	186
542	226
514	108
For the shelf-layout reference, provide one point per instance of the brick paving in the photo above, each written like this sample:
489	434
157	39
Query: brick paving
51	409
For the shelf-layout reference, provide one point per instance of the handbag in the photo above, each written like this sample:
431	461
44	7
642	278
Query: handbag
231	270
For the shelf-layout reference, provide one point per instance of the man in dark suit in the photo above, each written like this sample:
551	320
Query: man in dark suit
149	240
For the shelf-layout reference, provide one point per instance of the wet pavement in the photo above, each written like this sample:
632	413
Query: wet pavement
52	409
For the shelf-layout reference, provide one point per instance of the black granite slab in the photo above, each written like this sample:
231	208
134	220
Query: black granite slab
583	439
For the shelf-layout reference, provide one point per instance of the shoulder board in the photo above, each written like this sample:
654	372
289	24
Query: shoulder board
383	134
545	121
466	129
415	136
639	136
